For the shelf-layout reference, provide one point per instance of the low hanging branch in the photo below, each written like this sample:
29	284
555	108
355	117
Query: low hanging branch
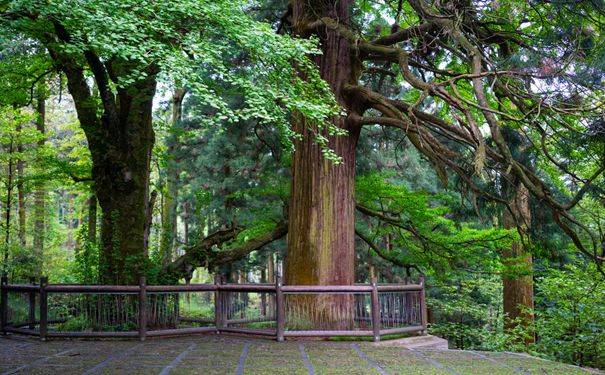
496	98
384	255
205	253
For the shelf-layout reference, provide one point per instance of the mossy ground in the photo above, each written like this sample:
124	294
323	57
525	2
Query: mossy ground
216	354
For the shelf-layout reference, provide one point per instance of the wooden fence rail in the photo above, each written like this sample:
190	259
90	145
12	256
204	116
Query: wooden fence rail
372	310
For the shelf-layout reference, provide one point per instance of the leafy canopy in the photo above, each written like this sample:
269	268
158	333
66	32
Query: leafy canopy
196	43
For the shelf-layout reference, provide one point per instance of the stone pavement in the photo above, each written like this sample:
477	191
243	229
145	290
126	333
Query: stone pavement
222	354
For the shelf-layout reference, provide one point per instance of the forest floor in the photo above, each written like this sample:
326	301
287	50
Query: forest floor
214	354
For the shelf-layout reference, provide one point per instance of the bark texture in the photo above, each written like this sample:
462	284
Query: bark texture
121	162
40	194
518	292
321	235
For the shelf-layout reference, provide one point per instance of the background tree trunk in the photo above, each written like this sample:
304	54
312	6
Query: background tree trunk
7	212
40	195
20	191
518	292
170	201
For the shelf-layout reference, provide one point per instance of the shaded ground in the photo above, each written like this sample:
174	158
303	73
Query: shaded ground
213	354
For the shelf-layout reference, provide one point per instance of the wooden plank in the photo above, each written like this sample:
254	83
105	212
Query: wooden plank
87	289
312	289
375	312
280	309
23	331
142	308
90	334
181	288
249	331
43	308
326	333
400	288
180	331
393	331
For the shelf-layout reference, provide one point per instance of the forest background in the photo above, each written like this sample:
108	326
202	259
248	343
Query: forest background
331	141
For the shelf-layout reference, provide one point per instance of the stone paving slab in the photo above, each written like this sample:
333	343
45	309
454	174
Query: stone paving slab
222	354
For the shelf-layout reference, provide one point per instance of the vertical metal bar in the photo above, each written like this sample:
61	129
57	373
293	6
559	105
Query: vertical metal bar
32	305
279	309
423	317
43	308
375	311
3	303
218	305
142	308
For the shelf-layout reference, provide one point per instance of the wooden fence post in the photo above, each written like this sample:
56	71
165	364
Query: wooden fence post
424	316
3	304
32	305
218	305
279	309
375	311
142	308
43	308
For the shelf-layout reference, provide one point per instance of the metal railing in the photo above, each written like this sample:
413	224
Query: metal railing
274	310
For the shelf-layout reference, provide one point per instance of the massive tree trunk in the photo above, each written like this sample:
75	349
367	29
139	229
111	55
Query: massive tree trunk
518	290
120	142
40	195
321	236
121	162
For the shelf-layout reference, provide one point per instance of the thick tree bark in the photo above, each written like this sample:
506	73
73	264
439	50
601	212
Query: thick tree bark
120	142
518	291
40	195
321	236
121	162
92	219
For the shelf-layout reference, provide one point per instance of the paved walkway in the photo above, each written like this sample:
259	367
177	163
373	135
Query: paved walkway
214	354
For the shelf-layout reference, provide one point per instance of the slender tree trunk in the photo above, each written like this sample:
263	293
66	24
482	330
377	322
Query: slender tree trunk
7	213
518	291
40	195
169	206
69	218
21	191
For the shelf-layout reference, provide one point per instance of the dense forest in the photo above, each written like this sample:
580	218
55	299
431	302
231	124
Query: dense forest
329	141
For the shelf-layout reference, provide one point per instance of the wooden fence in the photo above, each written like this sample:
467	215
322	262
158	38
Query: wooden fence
274	310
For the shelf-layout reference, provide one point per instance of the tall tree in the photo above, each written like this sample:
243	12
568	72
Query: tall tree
170	196
40	194
459	71
124	46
